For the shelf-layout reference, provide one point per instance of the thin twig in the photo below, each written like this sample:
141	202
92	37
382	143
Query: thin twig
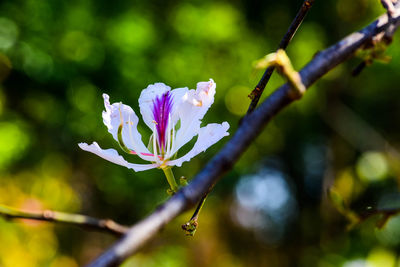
191	226
66	218
250	128
259	89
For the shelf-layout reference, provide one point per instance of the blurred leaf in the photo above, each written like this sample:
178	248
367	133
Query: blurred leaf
342	207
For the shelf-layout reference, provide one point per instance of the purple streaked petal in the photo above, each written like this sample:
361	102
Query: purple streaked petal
161	113
146	101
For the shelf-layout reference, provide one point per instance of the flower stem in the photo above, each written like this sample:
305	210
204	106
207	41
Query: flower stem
171	179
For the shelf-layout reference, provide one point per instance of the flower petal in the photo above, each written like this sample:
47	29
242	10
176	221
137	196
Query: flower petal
208	136
118	113
113	156
147	98
154	91
192	109
205	92
178	95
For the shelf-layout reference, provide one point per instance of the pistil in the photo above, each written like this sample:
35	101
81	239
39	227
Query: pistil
162	107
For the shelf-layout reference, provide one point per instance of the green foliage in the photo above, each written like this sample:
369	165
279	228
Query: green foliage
57	58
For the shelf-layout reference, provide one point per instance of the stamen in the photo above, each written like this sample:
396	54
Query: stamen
168	133
120	140
197	103
121	118
170	136
132	152
162	107
144	154
166	141
130	130
155	143
131	136
173	139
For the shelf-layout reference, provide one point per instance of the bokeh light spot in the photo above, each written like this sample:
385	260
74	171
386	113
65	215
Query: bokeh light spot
390	233
8	33
265	203
216	23
236	100
13	142
355	263
80	47
36	62
372	166
76	46
131	33
380	257
83	95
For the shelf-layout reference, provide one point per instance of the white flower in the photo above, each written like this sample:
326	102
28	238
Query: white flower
174	116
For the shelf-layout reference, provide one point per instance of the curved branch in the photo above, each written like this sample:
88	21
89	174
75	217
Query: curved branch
66	218
251	126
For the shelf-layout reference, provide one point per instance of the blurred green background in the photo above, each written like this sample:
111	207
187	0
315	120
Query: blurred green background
58	57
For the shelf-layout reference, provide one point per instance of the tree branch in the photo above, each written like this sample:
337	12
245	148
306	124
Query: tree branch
259	89
66	218
389	6
251	126
190	226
